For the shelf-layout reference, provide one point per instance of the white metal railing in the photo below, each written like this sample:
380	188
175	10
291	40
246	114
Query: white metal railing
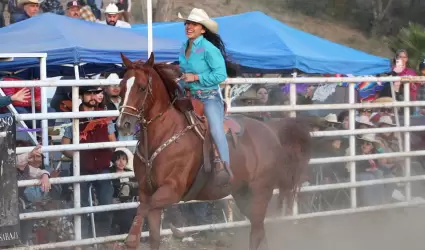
77	210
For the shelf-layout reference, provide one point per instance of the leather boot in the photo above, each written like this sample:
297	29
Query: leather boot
223	174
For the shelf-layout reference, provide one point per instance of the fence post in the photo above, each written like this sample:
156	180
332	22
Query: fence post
76	154
407	161
352	145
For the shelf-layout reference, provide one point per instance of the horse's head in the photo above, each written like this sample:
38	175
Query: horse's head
141	91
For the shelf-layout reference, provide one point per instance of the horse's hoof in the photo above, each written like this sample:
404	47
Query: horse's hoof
131	242
177	232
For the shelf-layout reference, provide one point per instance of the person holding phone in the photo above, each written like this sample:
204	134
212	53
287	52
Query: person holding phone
401	69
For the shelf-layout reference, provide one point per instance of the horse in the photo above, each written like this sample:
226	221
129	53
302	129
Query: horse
173	154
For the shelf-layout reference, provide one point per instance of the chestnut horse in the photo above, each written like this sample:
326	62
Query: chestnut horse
170	154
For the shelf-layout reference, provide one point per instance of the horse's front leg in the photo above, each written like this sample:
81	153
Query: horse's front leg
154	218
133	239
163	196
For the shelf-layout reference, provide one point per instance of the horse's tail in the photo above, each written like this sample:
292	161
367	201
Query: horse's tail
296	144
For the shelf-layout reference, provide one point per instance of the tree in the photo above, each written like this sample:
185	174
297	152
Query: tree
412	39
164	11
380	9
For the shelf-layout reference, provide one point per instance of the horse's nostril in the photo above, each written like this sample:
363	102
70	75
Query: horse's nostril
127	125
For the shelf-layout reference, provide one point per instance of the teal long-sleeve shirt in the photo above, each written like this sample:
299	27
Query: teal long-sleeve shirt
4	101
207	62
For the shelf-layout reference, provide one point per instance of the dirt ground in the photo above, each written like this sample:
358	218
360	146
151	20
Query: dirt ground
384	230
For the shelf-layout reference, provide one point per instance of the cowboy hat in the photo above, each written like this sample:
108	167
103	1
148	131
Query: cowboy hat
364	120
94	89
332	118
384	99
386	120
369	138
201	17
23	2
112	9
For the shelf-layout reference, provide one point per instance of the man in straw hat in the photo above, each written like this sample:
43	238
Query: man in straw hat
112	16
26	9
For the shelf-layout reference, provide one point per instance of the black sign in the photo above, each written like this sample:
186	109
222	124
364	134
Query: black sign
9	212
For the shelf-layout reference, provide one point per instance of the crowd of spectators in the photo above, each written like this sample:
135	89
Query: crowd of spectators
90	10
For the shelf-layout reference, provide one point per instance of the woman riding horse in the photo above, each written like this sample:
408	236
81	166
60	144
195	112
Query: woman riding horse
202	62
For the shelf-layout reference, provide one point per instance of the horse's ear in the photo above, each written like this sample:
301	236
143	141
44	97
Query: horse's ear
126	61
151	60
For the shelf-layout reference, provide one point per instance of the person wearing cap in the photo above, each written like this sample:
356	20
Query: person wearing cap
203	64
112	16
96	161
27	9
73	9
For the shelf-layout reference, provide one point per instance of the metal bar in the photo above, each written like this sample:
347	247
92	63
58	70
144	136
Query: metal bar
114	113
76	154
88	146
44	123
34	124
396	116
352	144
23	55
298	80
149	21
407	160
130	205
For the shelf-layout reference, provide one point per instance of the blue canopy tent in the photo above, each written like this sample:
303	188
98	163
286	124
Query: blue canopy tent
73	41
256	40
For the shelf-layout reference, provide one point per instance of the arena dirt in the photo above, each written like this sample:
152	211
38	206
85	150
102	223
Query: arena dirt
401	229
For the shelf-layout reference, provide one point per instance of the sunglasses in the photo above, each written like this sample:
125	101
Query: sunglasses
366	110
115	86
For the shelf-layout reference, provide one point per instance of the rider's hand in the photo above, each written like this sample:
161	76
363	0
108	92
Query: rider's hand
22	95
188	77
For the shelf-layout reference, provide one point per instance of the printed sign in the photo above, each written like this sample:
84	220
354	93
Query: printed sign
9	212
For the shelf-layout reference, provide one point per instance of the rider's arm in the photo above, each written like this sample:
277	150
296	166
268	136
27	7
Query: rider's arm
218	73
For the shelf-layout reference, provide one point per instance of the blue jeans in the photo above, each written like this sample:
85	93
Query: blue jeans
371	195
214	111
104	192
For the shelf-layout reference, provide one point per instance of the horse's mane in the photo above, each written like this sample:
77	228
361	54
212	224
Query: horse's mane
169	73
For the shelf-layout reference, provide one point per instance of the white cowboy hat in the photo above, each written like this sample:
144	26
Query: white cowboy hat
369	138
22	2
112	9
364	120
113	76
201	17
332	118
130	157
386	120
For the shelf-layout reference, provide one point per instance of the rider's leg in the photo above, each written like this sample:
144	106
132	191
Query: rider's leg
214	111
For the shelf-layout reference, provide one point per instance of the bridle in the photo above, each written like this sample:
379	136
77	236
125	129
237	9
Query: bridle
139	113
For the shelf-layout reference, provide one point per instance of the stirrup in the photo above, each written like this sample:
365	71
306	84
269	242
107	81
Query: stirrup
223	166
